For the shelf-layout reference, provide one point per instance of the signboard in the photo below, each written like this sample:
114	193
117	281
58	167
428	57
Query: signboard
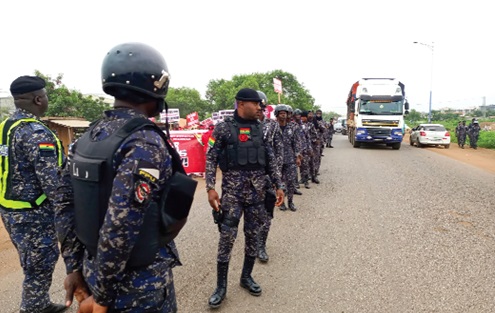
190	148
192	119
277	85
222	114
172	115
214	117
270	111
207	122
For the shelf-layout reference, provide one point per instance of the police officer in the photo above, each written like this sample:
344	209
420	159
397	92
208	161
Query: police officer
116	173
307	148
31	156
245	158
292	153
273	135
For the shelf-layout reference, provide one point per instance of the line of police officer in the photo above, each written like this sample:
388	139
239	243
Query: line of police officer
109	202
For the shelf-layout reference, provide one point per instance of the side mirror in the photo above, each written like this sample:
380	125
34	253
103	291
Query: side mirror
406	106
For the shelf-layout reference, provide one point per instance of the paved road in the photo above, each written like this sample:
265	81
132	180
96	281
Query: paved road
386	231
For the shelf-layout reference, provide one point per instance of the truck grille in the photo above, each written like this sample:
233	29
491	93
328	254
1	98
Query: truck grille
379	131
371	122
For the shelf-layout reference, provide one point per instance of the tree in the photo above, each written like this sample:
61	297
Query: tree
70	103
221	93
187	100
414	116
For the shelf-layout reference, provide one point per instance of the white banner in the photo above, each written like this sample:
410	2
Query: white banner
172	115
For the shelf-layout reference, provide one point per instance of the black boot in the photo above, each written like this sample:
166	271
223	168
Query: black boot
262	255
221	291
315	180
306	185
282	207
247	282
51	308
297	192
292	206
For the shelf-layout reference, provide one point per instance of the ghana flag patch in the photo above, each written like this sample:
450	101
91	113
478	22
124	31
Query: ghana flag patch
245	131
46	146
211	141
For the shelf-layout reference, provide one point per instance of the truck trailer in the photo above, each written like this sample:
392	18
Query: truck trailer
375	112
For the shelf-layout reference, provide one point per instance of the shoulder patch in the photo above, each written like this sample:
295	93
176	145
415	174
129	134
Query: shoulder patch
47	149
147	171
37	127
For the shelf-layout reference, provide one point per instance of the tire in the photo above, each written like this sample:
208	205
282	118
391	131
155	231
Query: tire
411	142
396	146
418	144
447	146
355	144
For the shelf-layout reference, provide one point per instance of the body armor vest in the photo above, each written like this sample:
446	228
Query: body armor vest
7	128
92	176
245	149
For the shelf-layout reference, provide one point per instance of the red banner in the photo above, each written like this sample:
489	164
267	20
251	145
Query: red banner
188	144
192	119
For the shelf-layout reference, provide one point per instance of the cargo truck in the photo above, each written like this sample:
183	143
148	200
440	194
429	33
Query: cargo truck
375	112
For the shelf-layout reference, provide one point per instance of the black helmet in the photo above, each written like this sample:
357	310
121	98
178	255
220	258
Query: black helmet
290	108
136	67
281	107
297	112
264	99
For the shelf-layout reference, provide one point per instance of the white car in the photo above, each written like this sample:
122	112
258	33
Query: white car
337	127
430	135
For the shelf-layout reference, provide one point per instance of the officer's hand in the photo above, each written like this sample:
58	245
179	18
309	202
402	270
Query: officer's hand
298	161
75	285
99	308
87	305
213	199
280	197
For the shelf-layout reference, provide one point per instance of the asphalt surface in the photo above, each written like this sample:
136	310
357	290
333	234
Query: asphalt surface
385	231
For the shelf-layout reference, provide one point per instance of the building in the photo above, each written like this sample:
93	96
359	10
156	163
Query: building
68	129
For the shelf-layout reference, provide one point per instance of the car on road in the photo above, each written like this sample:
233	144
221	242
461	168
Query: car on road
430	135
337	127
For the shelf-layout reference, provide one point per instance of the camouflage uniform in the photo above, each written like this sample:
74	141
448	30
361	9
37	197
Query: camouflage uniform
34	171
123	289
316	151
474	133
242	192
292	149
461	131
273	136
307	151
317	145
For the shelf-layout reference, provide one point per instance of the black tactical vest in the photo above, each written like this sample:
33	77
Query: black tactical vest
243	151
92	176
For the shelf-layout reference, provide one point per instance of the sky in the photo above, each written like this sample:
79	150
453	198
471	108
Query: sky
326	45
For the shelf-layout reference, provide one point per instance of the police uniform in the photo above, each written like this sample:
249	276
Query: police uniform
273	135
115	195
31	156
245	158
307	151
292	150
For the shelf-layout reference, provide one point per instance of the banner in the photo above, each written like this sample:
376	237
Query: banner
207	122
188	144
192	119
277	85
172	115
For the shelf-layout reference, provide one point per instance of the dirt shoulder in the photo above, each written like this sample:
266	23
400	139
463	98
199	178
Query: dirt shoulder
482	158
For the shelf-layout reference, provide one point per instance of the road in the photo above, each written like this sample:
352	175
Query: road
386	231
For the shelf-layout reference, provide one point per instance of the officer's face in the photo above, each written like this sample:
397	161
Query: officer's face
252	110
282	116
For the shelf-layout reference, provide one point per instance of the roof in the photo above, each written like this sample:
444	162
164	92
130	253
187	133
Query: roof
71	123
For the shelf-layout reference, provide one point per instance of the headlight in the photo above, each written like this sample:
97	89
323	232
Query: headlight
397	133
361	132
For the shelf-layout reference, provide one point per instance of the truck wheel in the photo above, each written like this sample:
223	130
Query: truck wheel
396	146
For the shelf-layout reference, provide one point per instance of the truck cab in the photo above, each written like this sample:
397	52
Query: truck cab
376	109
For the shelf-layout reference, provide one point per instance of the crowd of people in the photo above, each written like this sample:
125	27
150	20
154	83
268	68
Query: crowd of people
113	206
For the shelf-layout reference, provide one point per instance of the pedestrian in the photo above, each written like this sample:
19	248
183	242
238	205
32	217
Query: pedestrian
245	158
330	132
307	169
474	132
461	131
31	156
117	171
292	154
273	135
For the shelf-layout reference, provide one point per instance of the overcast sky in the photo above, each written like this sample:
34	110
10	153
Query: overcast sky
327	45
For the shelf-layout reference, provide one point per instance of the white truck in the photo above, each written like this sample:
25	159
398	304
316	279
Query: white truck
375	112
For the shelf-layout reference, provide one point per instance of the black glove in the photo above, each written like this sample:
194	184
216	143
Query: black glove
217	216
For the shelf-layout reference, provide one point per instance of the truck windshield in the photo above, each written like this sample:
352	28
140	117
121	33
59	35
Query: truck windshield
380	108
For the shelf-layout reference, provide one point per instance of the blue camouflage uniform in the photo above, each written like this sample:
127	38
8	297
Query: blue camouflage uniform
292	149
124	289
307	151
36	157
243	191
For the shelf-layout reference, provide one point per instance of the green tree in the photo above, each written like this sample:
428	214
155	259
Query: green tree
187	100
70	103
221	93
414	116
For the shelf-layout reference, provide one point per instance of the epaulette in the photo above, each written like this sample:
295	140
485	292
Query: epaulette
37	127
